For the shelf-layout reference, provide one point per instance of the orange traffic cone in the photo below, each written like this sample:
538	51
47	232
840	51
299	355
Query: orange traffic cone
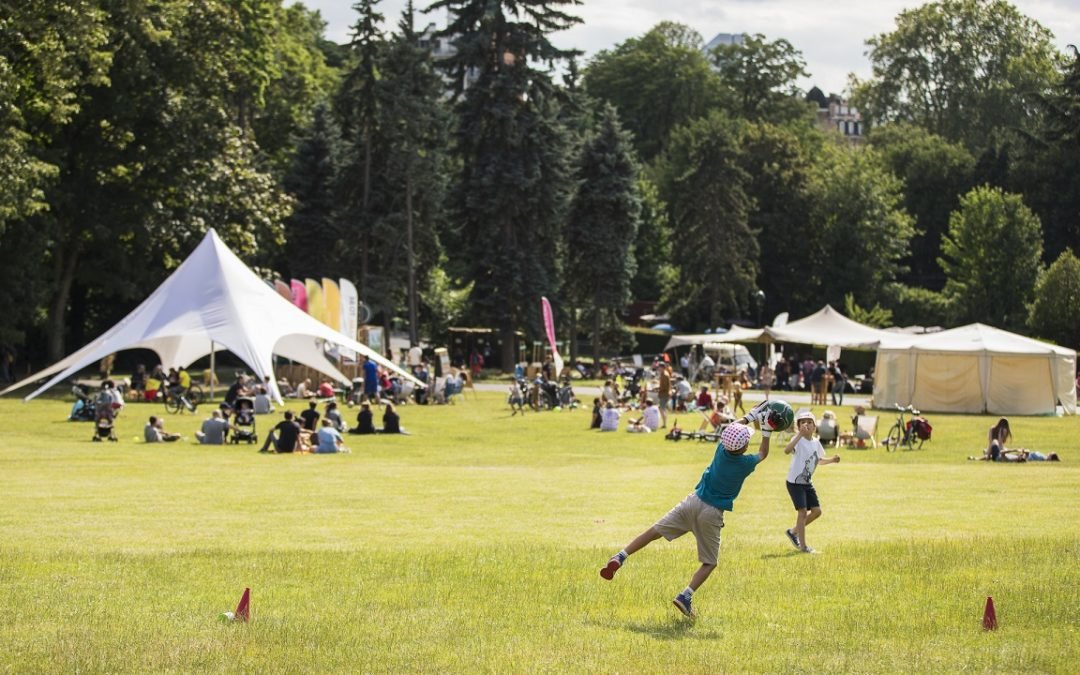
989	616
243	610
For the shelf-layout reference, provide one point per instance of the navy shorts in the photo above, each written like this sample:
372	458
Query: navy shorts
803	496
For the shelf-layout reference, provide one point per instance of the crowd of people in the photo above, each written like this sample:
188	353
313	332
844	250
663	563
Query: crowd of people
320	428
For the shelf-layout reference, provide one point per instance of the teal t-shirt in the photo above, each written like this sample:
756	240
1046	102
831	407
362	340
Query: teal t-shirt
722	480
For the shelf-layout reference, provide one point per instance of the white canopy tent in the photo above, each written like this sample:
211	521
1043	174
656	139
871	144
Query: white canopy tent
830	328
212	302
975	369
734	334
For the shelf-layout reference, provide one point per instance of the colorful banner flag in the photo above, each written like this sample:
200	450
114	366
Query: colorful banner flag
549	327
299	293
350	307
283	289
332	303
315	306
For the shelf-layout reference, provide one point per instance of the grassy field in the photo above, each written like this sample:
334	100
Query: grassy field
473	546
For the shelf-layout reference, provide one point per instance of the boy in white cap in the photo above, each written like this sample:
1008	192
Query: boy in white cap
808	453
702	512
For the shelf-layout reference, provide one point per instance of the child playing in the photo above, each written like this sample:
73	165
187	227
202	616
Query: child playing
808	453
702	512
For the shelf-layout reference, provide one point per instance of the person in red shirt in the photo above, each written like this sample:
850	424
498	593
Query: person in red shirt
704	399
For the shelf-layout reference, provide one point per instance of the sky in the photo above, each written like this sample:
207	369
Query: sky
831	35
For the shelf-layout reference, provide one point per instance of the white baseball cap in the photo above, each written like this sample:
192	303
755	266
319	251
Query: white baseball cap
805	414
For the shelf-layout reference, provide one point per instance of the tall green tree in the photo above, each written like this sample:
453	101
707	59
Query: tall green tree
779	166
961	69
357	106
46	52
1055	312
759	79
865	232
600	232
414	165
935	173
657	82
992	257
312	181
1048	162
717	253
150	157
509	199
652	248
298	79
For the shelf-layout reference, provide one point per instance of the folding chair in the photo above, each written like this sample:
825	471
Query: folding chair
828	433
866	429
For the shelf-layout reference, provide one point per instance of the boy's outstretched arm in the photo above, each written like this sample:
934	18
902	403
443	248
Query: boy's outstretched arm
763	449
835	459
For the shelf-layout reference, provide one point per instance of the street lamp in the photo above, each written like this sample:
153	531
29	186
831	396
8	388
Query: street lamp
759	302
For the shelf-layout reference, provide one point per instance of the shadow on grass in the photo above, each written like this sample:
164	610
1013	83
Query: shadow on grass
678	628
674	628
786	554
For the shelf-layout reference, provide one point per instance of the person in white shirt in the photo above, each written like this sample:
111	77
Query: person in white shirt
610	419
263	406
649	420
808	454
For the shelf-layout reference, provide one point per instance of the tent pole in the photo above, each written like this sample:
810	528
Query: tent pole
213	374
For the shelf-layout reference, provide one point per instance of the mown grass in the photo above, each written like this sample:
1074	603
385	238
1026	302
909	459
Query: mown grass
473	546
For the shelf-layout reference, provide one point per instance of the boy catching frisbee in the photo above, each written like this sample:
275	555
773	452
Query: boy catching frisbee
702	512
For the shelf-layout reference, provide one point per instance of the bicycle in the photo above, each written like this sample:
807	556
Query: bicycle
190	399
903	432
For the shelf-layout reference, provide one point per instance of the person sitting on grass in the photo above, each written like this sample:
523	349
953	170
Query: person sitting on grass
310	417
702	511
285	437
704	399
365	421
330	440
610	419
391	421
999	434
649	420
214	429
334	416
597	414
263	406
154	432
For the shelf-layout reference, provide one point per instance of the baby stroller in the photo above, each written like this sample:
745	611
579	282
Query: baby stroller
103	430
84	410
244	420
103	424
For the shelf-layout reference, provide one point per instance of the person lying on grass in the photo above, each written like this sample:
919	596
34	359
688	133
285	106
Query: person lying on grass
702	512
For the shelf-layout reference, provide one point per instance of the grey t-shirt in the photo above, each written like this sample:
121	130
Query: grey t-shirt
214	431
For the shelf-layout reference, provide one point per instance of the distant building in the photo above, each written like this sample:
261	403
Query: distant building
833	112
724	39
440	47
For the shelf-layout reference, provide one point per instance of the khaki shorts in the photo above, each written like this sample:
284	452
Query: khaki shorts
694	515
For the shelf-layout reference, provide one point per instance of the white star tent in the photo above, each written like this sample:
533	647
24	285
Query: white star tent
213	301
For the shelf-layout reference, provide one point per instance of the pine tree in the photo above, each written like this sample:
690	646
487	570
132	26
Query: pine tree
705	187
510	197
412	169
601	229
357	109
312	182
